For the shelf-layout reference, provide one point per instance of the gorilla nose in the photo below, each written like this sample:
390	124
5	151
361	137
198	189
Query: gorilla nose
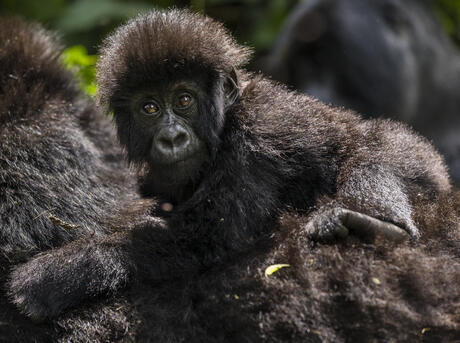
172	140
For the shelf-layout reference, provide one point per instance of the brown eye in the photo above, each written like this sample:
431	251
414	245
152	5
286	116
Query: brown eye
184	100
150	108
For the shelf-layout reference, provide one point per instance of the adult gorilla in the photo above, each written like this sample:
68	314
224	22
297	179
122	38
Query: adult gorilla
381	58
61	170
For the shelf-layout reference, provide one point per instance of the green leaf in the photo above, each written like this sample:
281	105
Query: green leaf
76	59
87	14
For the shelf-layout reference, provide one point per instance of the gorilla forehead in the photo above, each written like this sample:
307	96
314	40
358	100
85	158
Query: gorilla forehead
158	41
164	77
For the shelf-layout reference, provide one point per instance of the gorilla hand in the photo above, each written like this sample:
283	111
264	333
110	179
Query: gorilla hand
337	222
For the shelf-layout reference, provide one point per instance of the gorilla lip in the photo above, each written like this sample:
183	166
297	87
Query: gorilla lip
171	161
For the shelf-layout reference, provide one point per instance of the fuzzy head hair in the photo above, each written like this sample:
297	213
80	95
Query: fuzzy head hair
30	69
150	44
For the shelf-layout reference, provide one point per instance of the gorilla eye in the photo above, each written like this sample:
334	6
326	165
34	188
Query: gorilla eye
150	108
184	100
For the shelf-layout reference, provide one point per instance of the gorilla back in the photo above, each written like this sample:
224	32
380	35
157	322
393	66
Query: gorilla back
51	166
58	175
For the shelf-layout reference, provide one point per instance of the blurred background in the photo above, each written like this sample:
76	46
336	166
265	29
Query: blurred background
86	22
254	22
382	58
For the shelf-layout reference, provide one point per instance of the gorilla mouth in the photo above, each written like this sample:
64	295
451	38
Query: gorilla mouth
192	156
188	160
172	161
176	172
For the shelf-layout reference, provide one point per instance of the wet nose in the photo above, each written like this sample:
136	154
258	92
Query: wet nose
172	140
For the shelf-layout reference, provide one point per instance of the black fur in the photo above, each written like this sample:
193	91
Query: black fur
199	270
330	293
61	172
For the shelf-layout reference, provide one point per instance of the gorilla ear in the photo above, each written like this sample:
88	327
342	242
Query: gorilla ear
231	89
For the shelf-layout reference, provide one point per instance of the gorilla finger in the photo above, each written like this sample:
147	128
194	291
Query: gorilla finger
365	225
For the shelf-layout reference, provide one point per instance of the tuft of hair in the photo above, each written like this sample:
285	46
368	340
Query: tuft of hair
29	69
155	41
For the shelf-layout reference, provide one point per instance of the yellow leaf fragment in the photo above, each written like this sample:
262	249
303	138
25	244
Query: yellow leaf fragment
425	330
316	332
274	268
376	281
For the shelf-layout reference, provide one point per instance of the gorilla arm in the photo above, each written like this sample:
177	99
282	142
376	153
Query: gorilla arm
62	278
388	173
370	202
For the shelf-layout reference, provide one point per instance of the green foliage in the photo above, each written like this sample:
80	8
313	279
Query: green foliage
198	5
449	11
267	22
87	22
85	14
76	58
43	11
254	22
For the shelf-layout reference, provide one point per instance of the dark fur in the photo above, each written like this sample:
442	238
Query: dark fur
61	172
200	276
381	58
327	295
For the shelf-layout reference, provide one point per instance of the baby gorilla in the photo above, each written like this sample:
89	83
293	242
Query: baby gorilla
231	151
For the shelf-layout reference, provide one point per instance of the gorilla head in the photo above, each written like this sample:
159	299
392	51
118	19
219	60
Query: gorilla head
169	99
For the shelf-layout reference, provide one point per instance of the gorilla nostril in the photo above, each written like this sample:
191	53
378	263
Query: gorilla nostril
166	143
180	140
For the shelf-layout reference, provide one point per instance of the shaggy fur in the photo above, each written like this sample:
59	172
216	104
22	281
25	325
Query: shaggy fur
198	271
350	292
61	172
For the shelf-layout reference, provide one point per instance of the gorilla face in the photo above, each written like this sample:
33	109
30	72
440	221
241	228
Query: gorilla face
167	115
163	118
